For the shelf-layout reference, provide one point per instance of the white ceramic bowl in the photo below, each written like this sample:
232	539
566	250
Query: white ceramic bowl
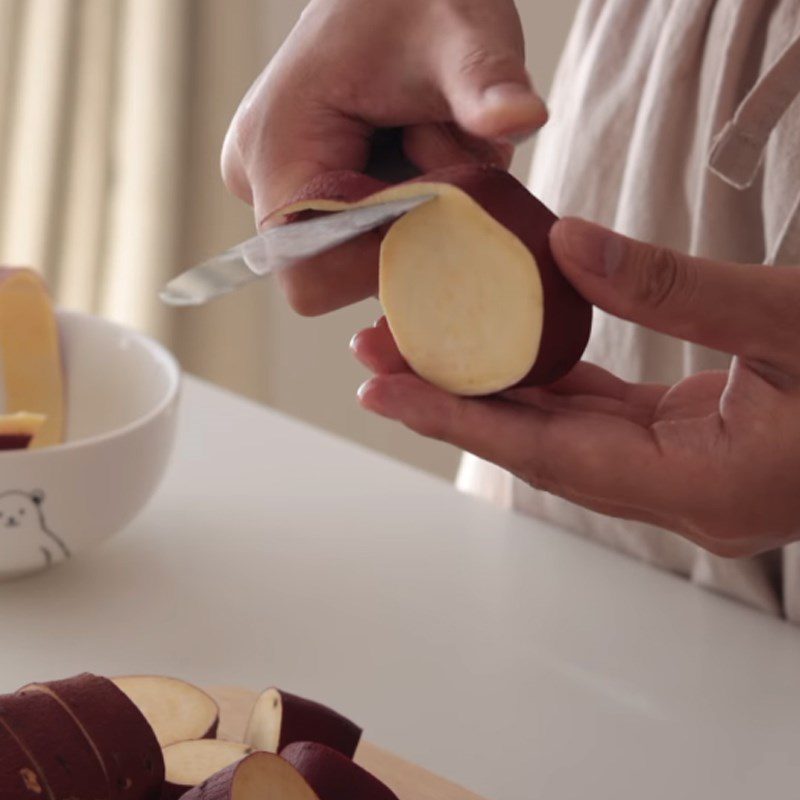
122	398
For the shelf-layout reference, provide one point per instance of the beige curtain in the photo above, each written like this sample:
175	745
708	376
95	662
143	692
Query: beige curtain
112	113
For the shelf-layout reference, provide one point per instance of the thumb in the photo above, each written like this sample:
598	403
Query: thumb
483	78
749	310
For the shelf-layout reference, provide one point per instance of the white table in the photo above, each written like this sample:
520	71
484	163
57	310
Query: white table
511	657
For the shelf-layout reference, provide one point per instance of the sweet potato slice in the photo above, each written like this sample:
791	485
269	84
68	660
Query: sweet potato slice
279	718
188	764
332	776
18	430
120	736
176	710
260	776
30	352
469	286
21	776
67	763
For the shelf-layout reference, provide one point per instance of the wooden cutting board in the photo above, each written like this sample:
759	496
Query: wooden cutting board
407	780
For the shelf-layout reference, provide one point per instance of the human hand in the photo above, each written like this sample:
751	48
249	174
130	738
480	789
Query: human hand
715	457
451	73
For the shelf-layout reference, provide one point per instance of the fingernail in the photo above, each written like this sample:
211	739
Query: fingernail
363	389
516	139
509	92
512	111
588	247
382	395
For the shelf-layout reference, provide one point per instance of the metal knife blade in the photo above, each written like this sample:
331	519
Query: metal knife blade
278	248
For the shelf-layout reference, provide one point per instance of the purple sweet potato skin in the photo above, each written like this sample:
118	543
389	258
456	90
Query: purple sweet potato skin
305	720
173	791
218	787
211	733
333	776
68	764
20	776
342	187
15	441
127	745
567	315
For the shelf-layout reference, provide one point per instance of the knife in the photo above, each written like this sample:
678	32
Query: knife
278	248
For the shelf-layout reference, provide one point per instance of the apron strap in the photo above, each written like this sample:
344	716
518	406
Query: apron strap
738	149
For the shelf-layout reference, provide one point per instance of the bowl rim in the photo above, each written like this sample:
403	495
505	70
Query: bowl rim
160	353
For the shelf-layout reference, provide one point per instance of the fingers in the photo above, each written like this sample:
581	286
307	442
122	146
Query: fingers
591	443
338	278
588	381
482	74
745	310
604	459
594	404
375	348
608	463
435	145
232	167
586	378
342	73
695	397
310	113
349	68
587	388
281	139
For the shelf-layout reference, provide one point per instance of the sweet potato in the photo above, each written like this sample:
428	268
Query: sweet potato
122	739
279	718
188	764
260	776
66	761
333	776
176	710
30	353
468	283
21	776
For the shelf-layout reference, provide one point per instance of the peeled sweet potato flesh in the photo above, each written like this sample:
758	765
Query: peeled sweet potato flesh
175	709
188	764
469	286
30	353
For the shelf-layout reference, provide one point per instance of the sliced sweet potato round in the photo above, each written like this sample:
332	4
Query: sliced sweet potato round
176	710
188	764
120	736
18	430
64	757
259	776
468	283
279	718
332	776
21	776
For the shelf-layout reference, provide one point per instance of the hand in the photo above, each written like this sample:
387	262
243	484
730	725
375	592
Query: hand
450	72
715	458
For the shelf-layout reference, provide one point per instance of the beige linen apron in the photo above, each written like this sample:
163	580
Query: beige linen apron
676	122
